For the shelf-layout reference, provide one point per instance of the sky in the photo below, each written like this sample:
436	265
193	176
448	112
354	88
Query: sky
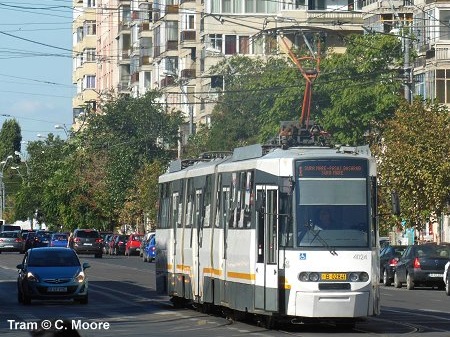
36	66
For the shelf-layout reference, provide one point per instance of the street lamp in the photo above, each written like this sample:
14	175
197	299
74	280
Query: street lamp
18	171
63	127
24	160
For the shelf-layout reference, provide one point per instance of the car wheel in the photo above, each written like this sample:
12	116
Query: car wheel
144	258
98	256
386	280
25	299
115	251
127	252
409	282
19	296
397	283
447	286
84	300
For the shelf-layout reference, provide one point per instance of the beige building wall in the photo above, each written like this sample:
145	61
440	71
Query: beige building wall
84	58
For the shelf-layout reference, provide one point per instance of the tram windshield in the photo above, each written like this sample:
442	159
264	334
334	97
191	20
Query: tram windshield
332	207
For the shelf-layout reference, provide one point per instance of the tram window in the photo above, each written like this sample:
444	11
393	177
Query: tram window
175	221
206	210
218	201
286	230
272	214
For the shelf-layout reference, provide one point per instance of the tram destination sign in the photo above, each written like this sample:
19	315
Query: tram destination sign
339	168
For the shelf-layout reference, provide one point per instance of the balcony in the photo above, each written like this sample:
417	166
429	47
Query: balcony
134	78
144	27
168	80
441	51
145	60
187	35
171	9
172	45
187	73
122	86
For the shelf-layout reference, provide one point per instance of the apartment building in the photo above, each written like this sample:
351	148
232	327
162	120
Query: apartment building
171	45
84	69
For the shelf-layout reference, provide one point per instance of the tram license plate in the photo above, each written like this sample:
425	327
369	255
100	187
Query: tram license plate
334	276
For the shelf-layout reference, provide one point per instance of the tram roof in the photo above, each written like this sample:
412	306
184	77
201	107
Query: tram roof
252	156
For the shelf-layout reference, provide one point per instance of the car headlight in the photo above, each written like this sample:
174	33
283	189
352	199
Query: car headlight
31	277
80	277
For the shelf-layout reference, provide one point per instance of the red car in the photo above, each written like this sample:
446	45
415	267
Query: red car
133	245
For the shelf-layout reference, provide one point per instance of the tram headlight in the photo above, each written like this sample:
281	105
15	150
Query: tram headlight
359	277
303	277
364	277
308	277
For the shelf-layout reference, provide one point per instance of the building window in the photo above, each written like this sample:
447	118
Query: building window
419	84
89	55
230	44
89	3
215	41
189	22
89	28
89	82
244	45
79	34
443	85
172	30
444	28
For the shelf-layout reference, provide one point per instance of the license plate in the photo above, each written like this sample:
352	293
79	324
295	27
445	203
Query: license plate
57	289
436	275
87	244
8	246
333	276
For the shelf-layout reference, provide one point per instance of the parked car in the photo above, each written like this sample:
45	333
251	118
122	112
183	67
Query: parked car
52	273
145	241
42	238
149	253
29	241
111	244
422	265
59	240
86	241
133	244
25	234
118	245
11	241
106	241
389	257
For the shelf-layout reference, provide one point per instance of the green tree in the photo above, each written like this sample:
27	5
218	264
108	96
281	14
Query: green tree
359	89
10	138
414	160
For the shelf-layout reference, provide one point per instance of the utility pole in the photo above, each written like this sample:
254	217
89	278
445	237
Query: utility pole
407	76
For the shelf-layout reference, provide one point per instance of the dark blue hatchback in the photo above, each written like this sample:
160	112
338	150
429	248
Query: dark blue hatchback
50	274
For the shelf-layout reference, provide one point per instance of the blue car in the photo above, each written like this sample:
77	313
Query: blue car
149	253
58	240
52	274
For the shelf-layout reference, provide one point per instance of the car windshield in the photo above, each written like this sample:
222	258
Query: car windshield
9	234
53	259
433	251
87	234
61	237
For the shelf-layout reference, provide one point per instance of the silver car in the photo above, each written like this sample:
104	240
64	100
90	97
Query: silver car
11	241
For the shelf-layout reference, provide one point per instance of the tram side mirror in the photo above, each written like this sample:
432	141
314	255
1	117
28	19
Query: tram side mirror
395	203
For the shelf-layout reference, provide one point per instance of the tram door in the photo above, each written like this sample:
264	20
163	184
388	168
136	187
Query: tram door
266	273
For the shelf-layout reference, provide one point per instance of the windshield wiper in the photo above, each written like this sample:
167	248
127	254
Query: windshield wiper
316	235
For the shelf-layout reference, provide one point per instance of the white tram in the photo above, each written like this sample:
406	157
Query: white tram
243	233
